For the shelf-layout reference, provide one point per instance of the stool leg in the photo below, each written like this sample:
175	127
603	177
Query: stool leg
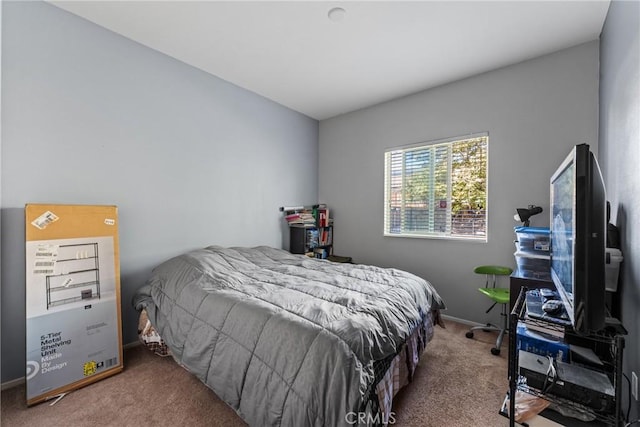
496	350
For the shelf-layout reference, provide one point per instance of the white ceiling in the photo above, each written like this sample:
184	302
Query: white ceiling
293	54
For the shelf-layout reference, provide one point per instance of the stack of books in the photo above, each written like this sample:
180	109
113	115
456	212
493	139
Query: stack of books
321	253
313	237
325	237
322	216
318	216
302	218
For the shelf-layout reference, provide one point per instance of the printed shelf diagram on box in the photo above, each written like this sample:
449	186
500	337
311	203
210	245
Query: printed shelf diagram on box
80	273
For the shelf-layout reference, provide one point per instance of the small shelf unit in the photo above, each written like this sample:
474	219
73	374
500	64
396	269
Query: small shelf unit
612	341
305	239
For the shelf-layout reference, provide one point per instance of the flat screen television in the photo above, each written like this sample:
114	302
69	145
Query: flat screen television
578	238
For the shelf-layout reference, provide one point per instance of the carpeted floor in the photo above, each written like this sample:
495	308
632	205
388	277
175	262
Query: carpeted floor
458	383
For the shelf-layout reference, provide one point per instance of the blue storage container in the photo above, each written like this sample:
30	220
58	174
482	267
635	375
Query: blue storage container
532	240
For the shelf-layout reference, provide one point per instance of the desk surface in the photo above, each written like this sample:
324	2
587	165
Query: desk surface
529	279
544	276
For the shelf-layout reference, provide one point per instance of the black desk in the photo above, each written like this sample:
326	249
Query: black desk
529	279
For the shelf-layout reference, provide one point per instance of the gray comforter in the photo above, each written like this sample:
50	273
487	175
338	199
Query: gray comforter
284	339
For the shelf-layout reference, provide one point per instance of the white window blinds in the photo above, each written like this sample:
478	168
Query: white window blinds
437	189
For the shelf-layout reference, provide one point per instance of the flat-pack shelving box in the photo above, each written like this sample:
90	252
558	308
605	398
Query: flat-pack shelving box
72	298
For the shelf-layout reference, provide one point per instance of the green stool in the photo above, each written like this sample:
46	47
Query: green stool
498	296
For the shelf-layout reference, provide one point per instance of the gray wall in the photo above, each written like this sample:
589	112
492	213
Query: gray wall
620	159
89	117
534	112
1	31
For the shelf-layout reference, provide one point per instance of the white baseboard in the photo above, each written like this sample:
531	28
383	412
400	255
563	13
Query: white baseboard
463	321
13	383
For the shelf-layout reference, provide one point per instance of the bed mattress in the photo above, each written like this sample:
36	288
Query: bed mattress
287	340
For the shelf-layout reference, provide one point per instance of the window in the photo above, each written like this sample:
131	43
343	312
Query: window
437	189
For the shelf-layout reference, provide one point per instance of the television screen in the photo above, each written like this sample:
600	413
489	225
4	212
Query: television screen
578	238
562	215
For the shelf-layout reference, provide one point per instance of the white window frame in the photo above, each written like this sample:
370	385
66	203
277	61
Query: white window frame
449	233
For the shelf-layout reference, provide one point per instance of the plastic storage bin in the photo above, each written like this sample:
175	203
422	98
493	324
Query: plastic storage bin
612	268
532	240
530	263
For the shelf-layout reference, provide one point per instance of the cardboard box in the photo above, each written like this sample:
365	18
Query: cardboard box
72	297
541	343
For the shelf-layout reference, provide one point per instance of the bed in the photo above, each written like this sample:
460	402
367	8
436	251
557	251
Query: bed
288	340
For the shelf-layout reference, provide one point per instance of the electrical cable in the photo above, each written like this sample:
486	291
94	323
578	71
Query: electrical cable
550	376
632	422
